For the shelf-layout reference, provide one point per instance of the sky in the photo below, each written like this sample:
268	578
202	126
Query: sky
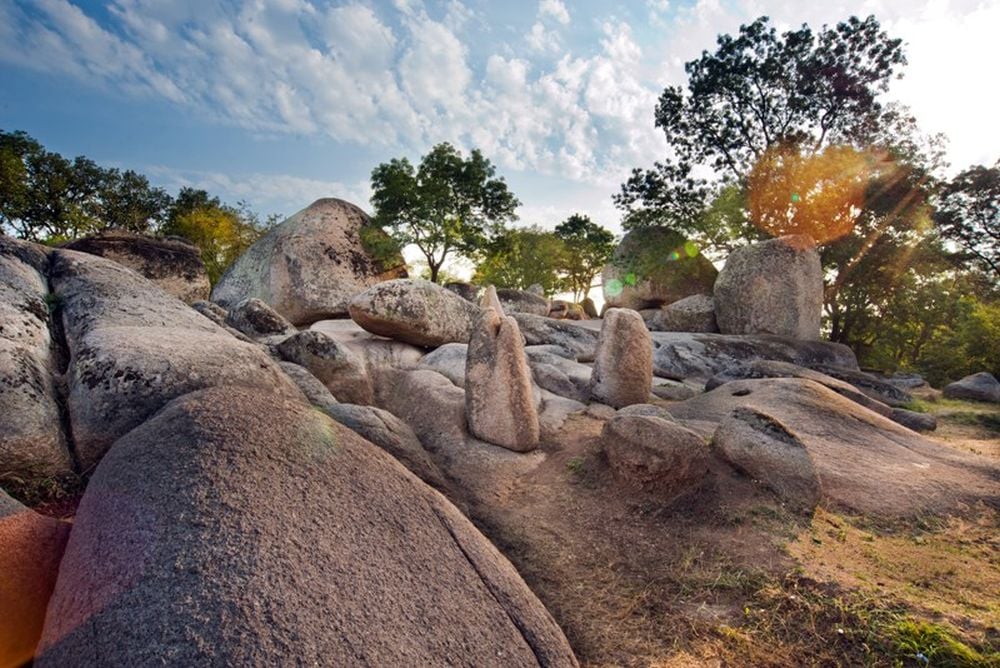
281	102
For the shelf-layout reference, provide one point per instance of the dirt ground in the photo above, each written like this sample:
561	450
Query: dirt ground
729	577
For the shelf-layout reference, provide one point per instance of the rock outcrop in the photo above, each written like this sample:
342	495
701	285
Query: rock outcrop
172	263
256	319
980	386
655	266
518	301
771	287
654	454
623	364
240	528
499	403
537	330
691	314
310	266
31	546
415	311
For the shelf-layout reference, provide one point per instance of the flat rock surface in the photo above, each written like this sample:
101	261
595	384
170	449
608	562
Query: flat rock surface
416	312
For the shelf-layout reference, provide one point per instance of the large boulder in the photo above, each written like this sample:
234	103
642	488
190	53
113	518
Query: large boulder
771	287
518	301
448	360
864	462
378	352
32	440
415	311
499	403
239	528
980	386
686	355
655	266
654	454
256	319
310	266
32	546
691	314
172	263
623	364
339	368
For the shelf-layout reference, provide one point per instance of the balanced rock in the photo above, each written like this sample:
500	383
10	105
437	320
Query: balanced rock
771	287
499	402
691	314
257	320
339	368
655	266
654	454
980	386
29	563
172	263
310	266
623	364
415	311
239	528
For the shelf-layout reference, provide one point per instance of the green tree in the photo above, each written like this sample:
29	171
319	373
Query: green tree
128	202
447	204
968	213
587	249
518	258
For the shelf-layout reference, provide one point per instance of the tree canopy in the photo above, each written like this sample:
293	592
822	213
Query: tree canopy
968	213
448	204
518	258
588	246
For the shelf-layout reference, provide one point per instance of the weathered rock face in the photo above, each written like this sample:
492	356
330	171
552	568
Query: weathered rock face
213	312
589	308
32	441
980	386
29	563
467	291
256	319
499	403
134	348
449	361
765	450
239	528
339	368
378	352
771	287
691	314
310	266
864	462
581	342
683	355
623	365
653	267
654	454
868	383
415	311
913	420
518	301
171	263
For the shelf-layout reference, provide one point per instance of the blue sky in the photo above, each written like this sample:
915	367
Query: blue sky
280	102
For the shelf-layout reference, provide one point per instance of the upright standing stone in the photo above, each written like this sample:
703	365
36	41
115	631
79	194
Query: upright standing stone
499	403
772	287
623	366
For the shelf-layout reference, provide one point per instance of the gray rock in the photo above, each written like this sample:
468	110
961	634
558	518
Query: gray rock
257	320
172	264
907	381
765	450
536	289
771	287
516	301
499	402
654	454
378	352
544	349
242	529
467	291
655	266
589	308
29	561
773	369
649	410
868	383
623	365
913	420
449	361
310	266
980	386
865	462
339	368
693	356
538	330
213	312
416	312
552	378
315	391
672	390
691	314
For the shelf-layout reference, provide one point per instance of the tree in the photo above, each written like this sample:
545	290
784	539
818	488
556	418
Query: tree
520	258
968	213
587	249
129	203
448	204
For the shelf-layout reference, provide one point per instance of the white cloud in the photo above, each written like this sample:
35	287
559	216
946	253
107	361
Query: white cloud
554	9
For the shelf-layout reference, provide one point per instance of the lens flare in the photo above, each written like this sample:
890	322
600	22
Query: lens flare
614	288
690	249
631	279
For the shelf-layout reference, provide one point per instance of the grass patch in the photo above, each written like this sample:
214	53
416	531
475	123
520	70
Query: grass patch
935	645
42	492
989	421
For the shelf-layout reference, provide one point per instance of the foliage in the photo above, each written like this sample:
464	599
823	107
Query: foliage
968	213
586	249
222	232
447	204
521	257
